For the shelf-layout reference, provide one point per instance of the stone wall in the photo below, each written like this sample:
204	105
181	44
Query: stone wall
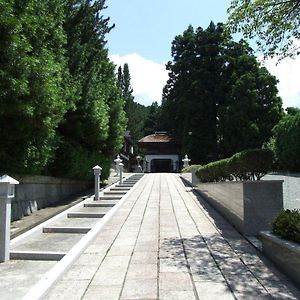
291	188
36	192
250	206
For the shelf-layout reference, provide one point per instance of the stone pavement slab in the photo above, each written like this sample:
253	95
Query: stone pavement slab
21	281
165	242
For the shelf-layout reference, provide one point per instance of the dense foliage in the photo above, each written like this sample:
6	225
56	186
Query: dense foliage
218	99
287	225
93	131
275	24
34	88
61	111
190	168
250	164
287	141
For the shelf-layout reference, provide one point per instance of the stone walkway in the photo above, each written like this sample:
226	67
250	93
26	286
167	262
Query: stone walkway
165	243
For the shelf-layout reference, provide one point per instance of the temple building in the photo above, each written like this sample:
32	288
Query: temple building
161	152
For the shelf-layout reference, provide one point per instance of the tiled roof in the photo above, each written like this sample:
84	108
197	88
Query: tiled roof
158	138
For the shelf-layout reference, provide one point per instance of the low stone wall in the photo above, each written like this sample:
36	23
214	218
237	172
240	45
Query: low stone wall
285	254
191	177
36	192
250	206
187	176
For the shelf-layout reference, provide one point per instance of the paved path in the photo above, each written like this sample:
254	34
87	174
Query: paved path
165	244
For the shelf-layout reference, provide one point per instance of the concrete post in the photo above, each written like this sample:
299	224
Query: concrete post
97	173
186	161
121	172
117	161
7	192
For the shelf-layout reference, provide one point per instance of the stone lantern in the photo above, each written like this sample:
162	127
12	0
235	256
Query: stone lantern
7	192
117	161
186	161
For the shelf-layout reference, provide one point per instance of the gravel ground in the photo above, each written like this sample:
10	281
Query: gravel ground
291	188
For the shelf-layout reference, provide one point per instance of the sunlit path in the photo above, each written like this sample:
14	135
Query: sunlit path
165	243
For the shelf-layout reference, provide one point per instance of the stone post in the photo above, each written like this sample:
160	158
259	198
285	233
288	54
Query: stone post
117	161
139	167
7	192
97	173
121	172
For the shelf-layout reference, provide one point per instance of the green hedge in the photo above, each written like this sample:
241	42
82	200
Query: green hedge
287	225
249	164
215	171
189	168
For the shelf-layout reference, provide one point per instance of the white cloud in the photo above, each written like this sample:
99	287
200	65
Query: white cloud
287	72
147	77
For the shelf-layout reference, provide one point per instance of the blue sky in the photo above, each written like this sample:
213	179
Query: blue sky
149	27
144	31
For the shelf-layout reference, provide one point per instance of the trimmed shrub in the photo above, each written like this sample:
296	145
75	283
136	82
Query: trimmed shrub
246	165
287	225
251	164
189	168
215	171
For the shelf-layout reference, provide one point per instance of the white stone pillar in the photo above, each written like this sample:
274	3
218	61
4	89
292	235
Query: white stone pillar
97	173
121	172
7	192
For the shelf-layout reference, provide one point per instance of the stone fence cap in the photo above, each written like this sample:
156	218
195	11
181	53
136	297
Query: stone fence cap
8	179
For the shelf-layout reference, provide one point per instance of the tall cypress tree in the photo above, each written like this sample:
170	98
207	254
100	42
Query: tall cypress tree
136	113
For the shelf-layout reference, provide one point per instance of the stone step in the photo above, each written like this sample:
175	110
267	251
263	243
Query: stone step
85	215
113	197
57	229
94	209
111	193
131	180
48	242
120	189
125	185
109	203
67	222
37	255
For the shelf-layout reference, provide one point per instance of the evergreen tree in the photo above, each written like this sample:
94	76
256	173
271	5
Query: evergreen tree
191	93
287	141
34	88
136	113
92	132
152	122
251	107
218	100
